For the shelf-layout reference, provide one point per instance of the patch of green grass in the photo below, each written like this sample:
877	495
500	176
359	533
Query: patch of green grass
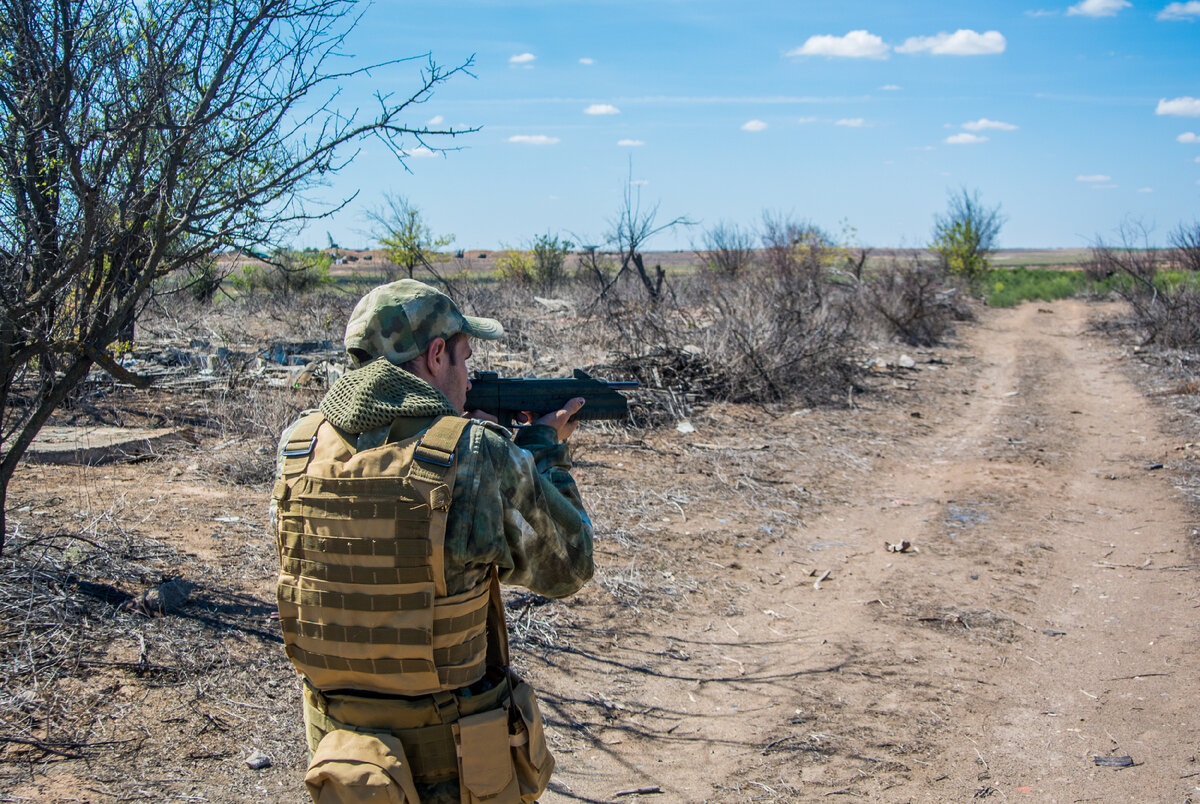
1008	287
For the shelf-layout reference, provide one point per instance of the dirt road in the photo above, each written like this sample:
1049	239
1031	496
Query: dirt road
1046	620
748	637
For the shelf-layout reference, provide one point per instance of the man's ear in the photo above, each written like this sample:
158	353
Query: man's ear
436	356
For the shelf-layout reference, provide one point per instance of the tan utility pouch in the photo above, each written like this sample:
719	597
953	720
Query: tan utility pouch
486	772
503	753
354	768
531	757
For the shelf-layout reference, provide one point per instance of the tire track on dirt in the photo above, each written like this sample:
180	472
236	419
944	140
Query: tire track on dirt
1050	615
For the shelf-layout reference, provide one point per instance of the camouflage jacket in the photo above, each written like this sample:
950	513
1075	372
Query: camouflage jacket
515	503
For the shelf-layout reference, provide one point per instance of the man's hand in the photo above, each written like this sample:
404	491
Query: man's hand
560	420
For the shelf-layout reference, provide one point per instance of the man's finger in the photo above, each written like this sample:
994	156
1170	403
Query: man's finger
573	406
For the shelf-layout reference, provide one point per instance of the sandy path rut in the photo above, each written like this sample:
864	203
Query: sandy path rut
1048	618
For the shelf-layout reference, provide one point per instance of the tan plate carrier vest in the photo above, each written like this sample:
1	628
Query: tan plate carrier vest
362	587
364	607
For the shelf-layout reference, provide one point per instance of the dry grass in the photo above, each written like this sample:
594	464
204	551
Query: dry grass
67	646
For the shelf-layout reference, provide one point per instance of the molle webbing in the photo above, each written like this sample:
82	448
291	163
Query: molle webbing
362	591
423	725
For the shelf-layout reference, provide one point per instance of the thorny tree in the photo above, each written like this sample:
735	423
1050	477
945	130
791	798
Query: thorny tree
137	139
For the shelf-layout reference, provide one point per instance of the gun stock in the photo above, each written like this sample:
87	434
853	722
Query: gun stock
505	397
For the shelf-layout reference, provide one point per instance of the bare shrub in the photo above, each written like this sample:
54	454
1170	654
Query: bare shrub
630	230
727	249
1185	240
1131	255
770	340
785	338
594	269
792	247
248	421
1167	314
913	302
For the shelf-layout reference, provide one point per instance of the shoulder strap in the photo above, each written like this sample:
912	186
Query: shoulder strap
434	464
437	448
440	440
299	447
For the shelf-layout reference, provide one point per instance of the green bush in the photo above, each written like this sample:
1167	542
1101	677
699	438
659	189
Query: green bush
287	271
965	235
515	265
542	266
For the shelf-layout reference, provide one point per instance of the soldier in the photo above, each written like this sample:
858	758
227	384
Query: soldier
396	518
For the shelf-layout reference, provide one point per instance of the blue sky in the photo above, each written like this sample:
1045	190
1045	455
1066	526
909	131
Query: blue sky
1072	117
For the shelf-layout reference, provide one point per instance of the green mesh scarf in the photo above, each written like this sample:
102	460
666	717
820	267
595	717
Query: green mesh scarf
377	394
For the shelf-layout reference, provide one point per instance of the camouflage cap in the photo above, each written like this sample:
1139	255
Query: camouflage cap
399	320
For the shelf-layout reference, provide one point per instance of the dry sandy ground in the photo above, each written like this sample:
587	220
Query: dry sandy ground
1048	618
749	637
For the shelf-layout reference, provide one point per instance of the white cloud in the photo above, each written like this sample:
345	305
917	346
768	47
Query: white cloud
1179	107
533	139
963	42
1180	11
1095	177
1188	136
630	143
890	88
602	108
1145	189
964	139
586	60
1098	8
522	58
806	120
1041	13
420	152
436	120
851	122
753	125
854	45
983	124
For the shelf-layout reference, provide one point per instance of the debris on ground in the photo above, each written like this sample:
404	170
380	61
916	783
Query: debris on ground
258	760
641	791
161	600
902	546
